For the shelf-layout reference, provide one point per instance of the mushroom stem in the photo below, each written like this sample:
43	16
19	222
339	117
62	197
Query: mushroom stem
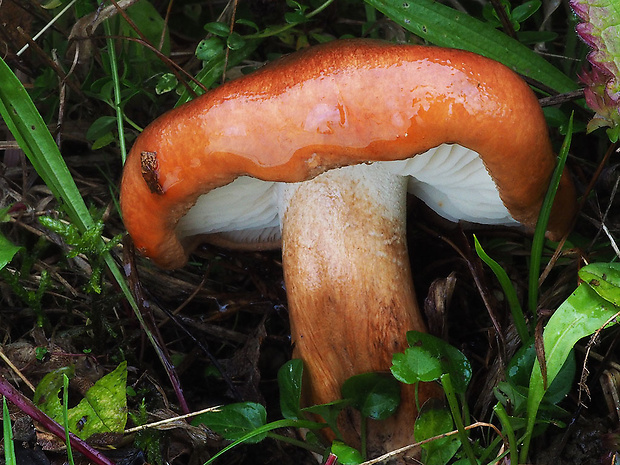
349	285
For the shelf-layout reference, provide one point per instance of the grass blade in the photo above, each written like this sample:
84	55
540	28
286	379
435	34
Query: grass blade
9	446
32	135
65	417
117	90
543	221
507	428
311	425
446	382
509	291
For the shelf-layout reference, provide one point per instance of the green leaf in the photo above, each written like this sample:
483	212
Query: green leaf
100	127
7	251
209	49
415	365
104	407
600	31
289	381
103	141
218	29
235	41
167	82
428	358
555	116
604	278
234	421
347	455
295	5
102	410
579	316
46	395
213	68
519	371
446	27
248	23
375	395
296	17
522	12
51	4
329	413
433	420
535	37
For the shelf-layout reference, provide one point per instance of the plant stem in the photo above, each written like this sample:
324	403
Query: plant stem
117	90
507	427
363	434
446	382
65	416
279	30
509	292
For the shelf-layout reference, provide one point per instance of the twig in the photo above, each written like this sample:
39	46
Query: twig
401	450
170	420
591	343
46	27
16	370
561	98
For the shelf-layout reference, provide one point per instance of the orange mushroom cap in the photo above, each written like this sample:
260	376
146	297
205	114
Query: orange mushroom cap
342	103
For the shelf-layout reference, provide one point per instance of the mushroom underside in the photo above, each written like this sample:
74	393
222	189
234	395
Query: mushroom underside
450	179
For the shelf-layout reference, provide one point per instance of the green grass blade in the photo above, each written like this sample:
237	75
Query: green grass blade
9	446
543	220
117	90
448	388
32	135
509	291
446	27
265	429
508	430
65	417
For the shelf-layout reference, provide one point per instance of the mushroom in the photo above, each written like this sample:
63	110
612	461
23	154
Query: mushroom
316	153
